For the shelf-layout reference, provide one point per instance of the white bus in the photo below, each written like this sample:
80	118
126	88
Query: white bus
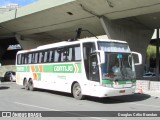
92	67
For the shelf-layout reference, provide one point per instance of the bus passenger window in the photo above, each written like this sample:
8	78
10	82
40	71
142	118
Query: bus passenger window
45	56
26	59
66	54
70	54
19	59
48	56
41	56
29	58
77	53
33	56
36	58
56	56
51	58
22	59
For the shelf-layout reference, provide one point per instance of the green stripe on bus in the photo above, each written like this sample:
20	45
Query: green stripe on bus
23	69
28	69
120	82
36	68
54	68
79	68
47	68
62	68
39	76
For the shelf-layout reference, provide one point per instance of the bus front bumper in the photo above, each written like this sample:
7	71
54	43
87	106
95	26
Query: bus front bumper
110	92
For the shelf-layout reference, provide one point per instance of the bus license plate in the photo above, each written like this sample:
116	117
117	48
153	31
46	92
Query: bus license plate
122	91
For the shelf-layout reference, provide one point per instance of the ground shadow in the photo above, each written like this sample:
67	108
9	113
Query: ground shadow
120	99
4	87
114	100
52	92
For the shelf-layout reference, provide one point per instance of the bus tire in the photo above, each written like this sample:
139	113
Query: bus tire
77	93
30	85
25	84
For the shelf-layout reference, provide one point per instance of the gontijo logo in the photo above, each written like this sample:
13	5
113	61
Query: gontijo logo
66	68
63	68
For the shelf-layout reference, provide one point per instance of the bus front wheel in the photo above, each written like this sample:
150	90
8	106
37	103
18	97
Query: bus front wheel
77	93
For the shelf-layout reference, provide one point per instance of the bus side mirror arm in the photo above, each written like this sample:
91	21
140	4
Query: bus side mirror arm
139	57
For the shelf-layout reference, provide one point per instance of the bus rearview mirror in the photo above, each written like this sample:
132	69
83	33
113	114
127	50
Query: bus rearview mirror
139	58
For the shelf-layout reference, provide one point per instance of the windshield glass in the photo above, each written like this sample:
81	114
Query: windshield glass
118	61
118	66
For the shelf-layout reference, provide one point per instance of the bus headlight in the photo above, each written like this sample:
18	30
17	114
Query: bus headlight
133	84
107	85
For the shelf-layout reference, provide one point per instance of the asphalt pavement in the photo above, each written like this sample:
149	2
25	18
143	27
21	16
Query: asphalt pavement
155	93
15	98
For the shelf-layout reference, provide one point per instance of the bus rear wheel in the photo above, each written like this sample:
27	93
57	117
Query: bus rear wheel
25	84
77	93
30	85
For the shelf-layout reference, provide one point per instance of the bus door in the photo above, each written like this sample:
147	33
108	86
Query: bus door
94	77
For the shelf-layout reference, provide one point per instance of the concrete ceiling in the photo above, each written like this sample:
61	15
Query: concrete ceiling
59	19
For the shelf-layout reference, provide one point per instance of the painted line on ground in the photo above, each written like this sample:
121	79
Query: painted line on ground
35	106
79	115
145	105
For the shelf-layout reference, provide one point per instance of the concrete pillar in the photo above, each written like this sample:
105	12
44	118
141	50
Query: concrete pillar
136	34
157	55
31	42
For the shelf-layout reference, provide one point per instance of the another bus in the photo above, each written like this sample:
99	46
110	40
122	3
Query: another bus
83	67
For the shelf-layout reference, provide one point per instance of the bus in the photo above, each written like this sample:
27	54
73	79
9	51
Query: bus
88	67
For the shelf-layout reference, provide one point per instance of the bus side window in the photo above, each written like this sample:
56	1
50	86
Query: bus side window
74	53
65	54
46	56
22	59
29	58
36	58
25	58
70	49
19	59
56	56
41	56
33	58
77	52
51	56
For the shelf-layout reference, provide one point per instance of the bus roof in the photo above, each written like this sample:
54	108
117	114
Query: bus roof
66	43
105	40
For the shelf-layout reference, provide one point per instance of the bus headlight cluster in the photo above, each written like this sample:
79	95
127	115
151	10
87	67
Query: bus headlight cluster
107	85
133	84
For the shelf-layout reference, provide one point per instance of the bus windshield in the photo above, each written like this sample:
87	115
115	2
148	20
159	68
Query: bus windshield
118	66
118	61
